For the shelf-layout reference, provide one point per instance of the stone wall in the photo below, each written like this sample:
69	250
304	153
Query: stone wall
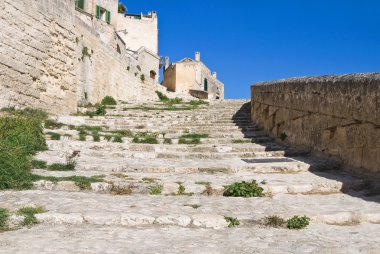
105	72
335	115
37	54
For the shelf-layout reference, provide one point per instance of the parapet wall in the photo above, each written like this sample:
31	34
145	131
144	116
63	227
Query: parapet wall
37	54
335	115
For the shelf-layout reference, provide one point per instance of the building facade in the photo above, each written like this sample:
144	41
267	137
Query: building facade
192	77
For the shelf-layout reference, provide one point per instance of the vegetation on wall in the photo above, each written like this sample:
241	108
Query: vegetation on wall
109	100
121	8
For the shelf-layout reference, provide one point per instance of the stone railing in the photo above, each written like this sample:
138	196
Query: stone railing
338	116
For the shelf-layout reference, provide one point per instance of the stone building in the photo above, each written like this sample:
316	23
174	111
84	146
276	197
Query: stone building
192	77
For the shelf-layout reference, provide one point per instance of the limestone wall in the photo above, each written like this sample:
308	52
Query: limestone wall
37	54
336	115
105	72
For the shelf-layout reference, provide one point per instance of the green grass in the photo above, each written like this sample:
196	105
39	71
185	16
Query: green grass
4	215
232	222
96	137
168	141
162	97
194	136
51	124
39	164
181	190
244	189
29	215
82	137
193	141
30	113
61	167
283	136
21	137
54	135
109	100
198	102
298	222
145	138
149	180
155	189
123	133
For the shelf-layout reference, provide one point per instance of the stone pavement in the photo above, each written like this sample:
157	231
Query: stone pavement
188	213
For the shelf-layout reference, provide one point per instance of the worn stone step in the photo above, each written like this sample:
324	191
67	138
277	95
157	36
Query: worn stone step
211	209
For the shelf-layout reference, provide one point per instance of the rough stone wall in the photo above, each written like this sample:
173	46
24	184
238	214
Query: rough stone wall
105	72
37	54
335	115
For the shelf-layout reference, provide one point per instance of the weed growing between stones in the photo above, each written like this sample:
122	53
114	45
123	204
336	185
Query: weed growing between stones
54	135
298	222
39	164
149	180
109	100
117	139
51	124
198	102
208	191
71	162
96	137
168	141
181	190
274	221
29	215
232	222
121	190
145	138
244	189
155	189
283	136
4	215
195	206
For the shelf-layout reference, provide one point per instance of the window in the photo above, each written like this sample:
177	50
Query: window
79	4
118	49
206	85
153	75
103	14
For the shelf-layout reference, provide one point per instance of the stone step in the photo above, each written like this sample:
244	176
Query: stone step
207	184
78	208
170	165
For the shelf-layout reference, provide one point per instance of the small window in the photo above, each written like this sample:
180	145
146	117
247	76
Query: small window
153	74
206	85
118	49
79	4
103	14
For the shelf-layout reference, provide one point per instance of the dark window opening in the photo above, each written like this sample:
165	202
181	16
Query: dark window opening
118	49
206	85
79	4
103	14
153	74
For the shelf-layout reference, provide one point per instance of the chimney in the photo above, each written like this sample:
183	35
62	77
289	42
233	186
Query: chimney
215	74
166	62
198	56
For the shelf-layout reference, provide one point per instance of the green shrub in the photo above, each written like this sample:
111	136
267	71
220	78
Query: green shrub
100	110
155	189
283	136
96	137
232	222
244	189
297	222
39	164
4	215
21	137
54	135
29	215
162	97
168	141
109	100
82	137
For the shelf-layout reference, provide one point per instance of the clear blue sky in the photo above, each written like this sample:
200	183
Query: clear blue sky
247	41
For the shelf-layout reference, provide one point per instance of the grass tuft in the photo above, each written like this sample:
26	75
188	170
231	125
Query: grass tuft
29	215
4	215
155	189
232	222
244	189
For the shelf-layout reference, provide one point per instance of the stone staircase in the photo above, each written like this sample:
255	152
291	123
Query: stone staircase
189	181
